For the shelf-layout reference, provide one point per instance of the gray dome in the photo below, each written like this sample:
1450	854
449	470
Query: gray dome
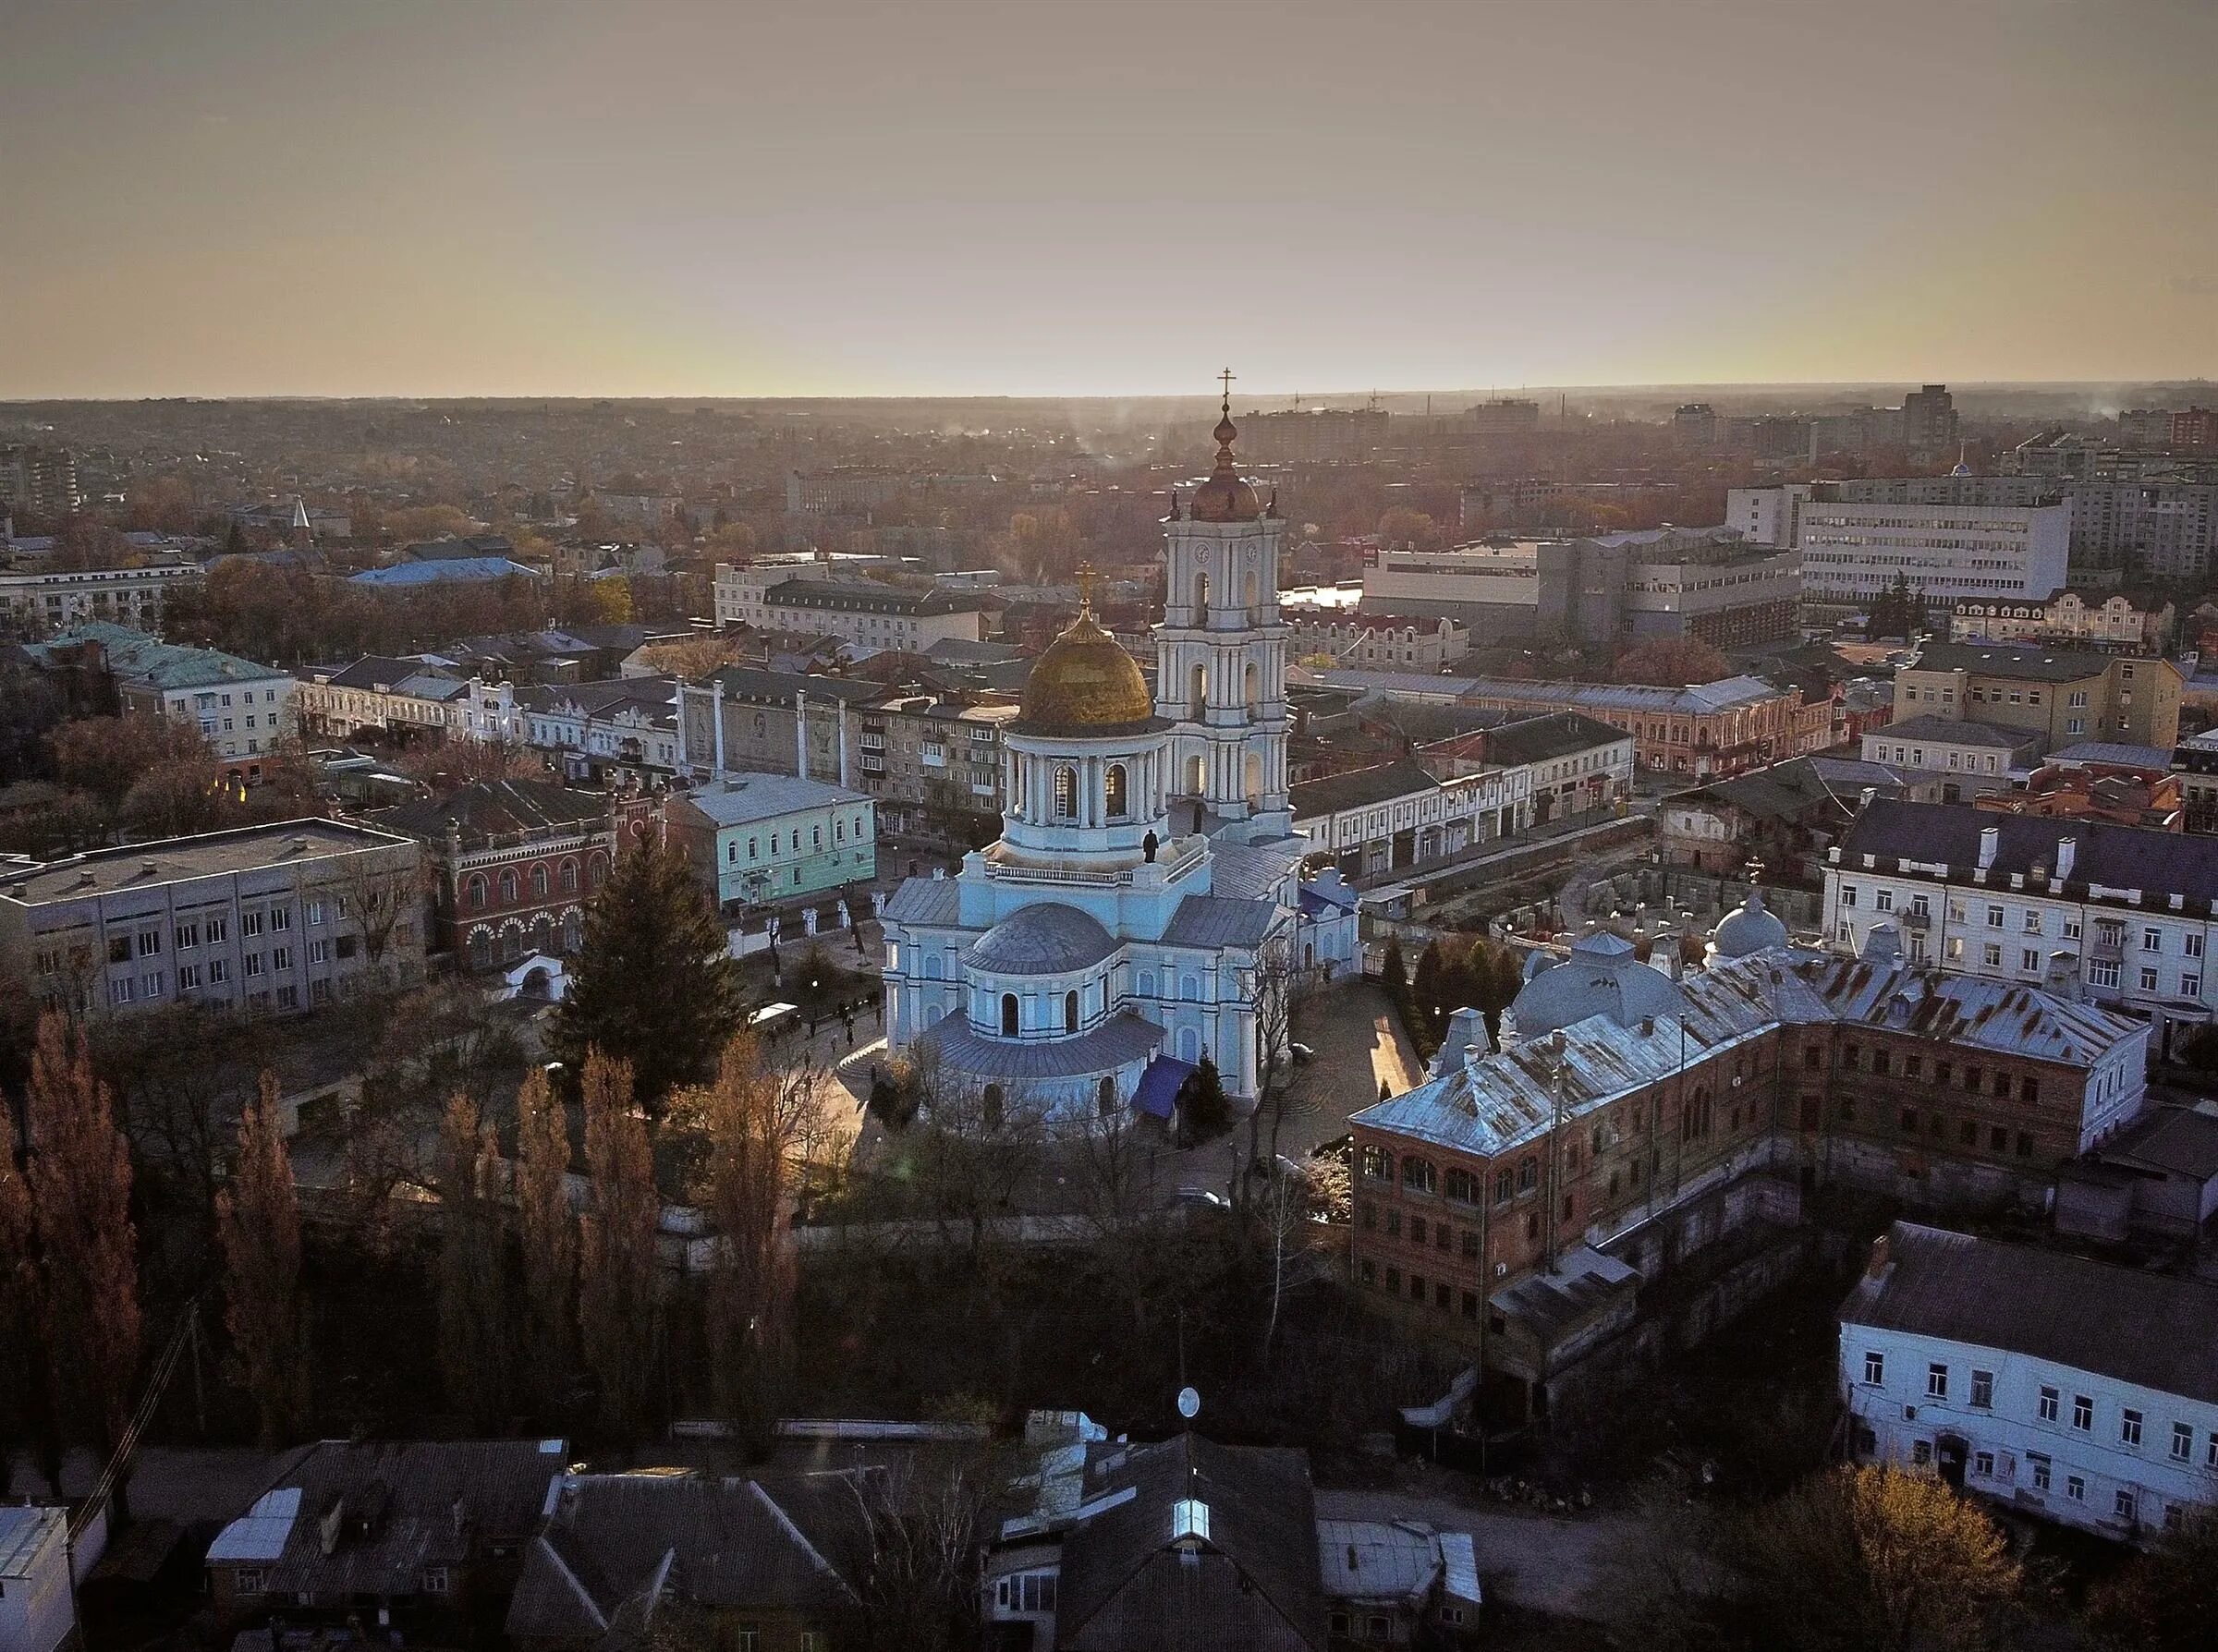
1600	978
1050	938
1747	929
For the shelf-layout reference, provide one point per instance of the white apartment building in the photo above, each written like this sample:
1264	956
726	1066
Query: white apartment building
38	604
242	708
1952	746
1852	551
630	724
378	695
2125	620
1378	820
2126	911
2082	1393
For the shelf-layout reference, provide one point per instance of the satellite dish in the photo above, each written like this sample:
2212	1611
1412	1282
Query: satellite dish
1190	1404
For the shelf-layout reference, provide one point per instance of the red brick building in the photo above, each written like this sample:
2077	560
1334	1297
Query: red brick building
512	864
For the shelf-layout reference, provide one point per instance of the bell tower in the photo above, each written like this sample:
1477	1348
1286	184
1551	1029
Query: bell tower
1221	651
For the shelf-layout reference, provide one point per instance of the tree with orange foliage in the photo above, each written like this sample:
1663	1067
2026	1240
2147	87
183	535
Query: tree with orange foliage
619	1317
80	1195
258	1224
1671	662
548	1233
752	1119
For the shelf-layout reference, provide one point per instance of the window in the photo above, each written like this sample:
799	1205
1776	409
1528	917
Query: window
2183	1442
188	937
2122	1504
1067	795
249	924
189	977
1416	1173
149	943
2191	945
315	913
281	957
1994	917
247	1580
2152	941
1922	1451
1982	1389
2075	1488
1848	894
2032	923
1461	1187
252	964
281	918
1936	1382
434	1580
2048	1404
2028	958
2040	1470
319	951
1417	1230
1884	900
219	971
1991	956
1875	1367
1982	1465
2190	986
2148	980
2129	1427
2083	1413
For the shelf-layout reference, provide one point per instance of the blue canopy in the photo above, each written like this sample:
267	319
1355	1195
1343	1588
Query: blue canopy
1157	1092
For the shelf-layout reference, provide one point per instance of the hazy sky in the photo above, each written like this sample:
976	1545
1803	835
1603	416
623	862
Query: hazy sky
481	197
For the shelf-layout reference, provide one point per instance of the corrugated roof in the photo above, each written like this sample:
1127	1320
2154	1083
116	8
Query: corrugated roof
2150	1330
23	1531
1117	1042
935	902
1219	920
741	799
494	807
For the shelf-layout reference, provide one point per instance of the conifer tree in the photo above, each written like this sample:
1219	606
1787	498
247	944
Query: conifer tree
258	1224
654	985
80	1192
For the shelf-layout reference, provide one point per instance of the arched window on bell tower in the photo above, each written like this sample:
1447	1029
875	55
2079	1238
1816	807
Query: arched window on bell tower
1201	597
1067	794
1198	693
1116	801
1251	687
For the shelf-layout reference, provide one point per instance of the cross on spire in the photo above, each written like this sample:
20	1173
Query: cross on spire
1228	377
1086	580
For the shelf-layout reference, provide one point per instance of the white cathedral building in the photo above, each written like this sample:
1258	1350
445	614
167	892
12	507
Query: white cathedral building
1146	890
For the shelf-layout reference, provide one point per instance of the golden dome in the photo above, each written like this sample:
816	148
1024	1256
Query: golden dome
1085	683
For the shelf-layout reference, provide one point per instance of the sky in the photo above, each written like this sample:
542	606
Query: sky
957	197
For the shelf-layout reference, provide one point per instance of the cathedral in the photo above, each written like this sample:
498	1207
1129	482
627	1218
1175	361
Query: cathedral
1144	904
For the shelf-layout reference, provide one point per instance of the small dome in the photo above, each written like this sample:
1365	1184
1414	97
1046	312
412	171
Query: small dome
1225	497
1050	938
1600	978
1747	929
1085	683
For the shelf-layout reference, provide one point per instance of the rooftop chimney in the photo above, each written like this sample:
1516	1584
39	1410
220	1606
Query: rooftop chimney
2067	853
1877	1267
1990	842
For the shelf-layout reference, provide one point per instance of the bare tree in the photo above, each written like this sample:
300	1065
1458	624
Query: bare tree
918	1530
618	1307
1283	1211
1278	985
473	1342
379	896
21	1413
977	1147
548	1231
80	1188
752	1116
257	1220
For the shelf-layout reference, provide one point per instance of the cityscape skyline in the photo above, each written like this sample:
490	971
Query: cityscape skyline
965	200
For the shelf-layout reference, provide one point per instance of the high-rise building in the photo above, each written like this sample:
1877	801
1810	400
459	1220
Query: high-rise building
38	482
1928	420
1854	550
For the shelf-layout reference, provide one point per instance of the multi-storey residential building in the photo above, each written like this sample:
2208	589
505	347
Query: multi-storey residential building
933	764
2080	1392
2140	621
423	694
1929	421
1299	435
630	726
1705	731
38	482
282	918
1368	645
2060	698
243	708
1396	816
767	840
512	864
1518	1202
37	605
2128	911
842	491
776	595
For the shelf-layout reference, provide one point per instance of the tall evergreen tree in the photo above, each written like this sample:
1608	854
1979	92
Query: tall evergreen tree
654	985
473	1334
80	1192
1392	971
548	1233
258	1223
618	1276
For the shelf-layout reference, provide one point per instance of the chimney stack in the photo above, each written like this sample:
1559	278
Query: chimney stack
1991	842
2068	855
1877	1267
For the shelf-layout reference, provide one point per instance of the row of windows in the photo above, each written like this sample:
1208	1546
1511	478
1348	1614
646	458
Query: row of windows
2048	1408
478	889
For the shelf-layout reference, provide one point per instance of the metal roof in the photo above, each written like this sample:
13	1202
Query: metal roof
1220	920
259	1533
2149	1330
743	799
23	1532
1047	939
1122	1039
933	902
1926	836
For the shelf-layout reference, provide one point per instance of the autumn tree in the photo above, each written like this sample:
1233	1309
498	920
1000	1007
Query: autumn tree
108	756
258	1221
2166	1599
21	1378
1671	662
751	1120
548	1232
1867	1558
80	1192
618	1300
473	1340
654	985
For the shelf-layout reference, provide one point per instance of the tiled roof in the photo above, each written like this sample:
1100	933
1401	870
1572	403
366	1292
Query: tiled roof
2149	1330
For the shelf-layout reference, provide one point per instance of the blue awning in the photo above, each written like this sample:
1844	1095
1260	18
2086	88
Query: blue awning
1156	1094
